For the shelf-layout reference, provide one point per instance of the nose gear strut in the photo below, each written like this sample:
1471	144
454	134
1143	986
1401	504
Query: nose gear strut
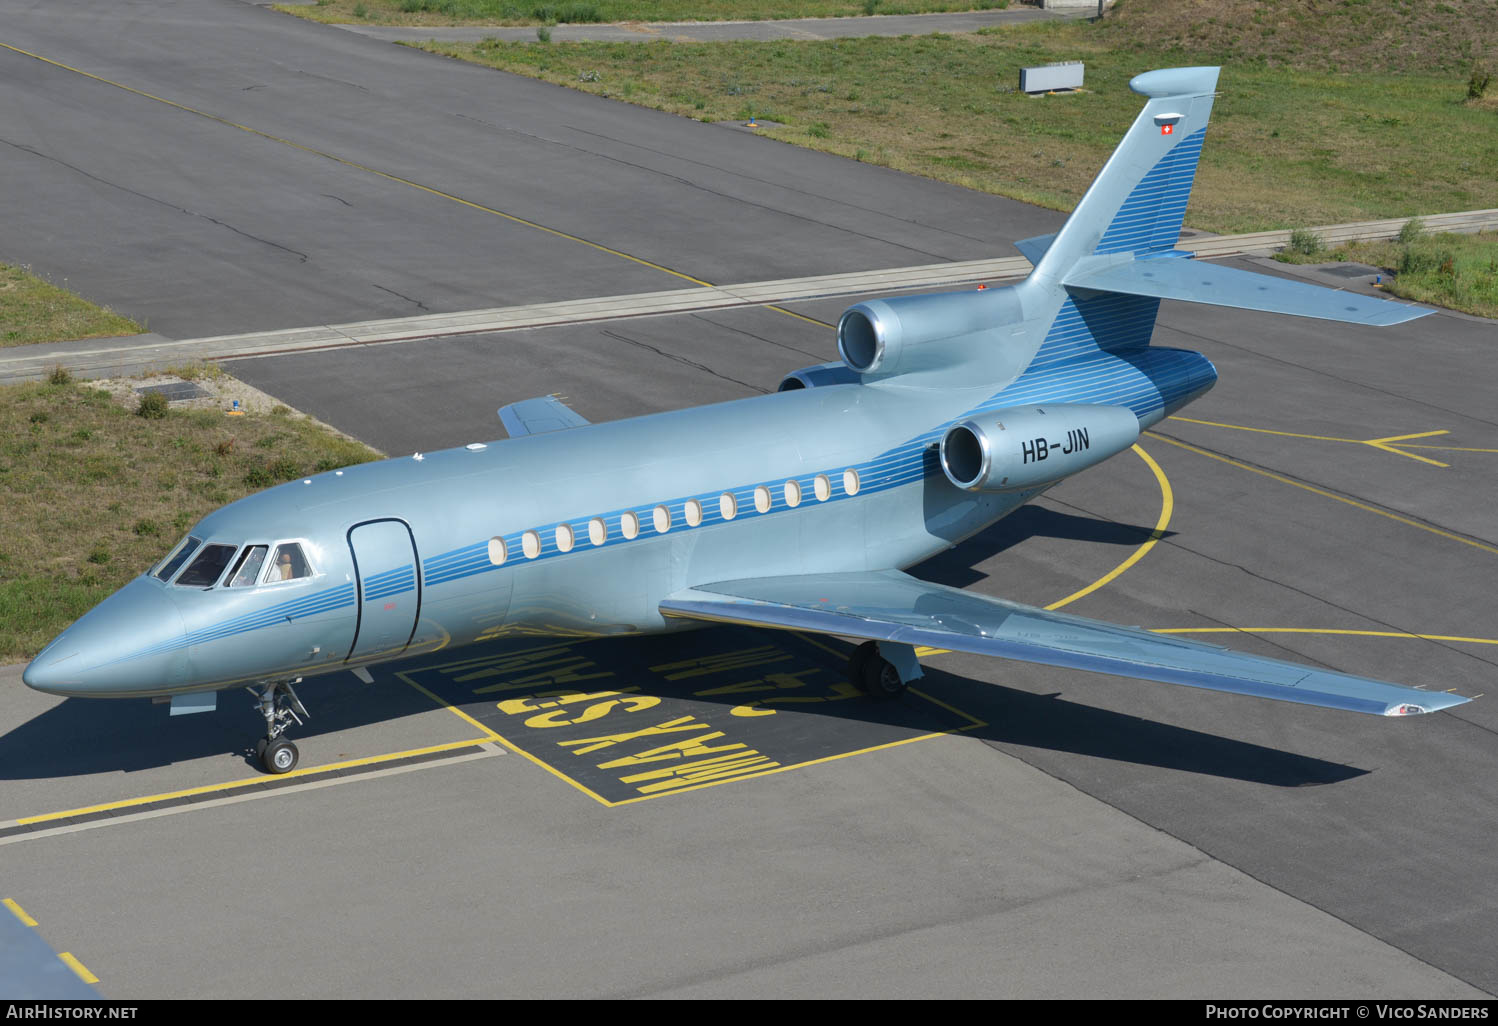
280	706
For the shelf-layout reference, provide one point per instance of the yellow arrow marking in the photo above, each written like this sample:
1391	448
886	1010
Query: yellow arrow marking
1377	443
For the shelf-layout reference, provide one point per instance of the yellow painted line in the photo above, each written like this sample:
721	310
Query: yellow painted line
1265	431
1447	448
1377	443
973	722
778	769
1167	506
1323	630
233	785
1326	494
77	967
20	913
360	167
459	713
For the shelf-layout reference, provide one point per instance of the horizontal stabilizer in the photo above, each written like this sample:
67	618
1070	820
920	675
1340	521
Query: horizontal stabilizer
1034	248
1193	281
888	605
538	416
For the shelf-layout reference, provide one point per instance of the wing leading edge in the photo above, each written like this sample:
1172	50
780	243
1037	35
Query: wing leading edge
889	605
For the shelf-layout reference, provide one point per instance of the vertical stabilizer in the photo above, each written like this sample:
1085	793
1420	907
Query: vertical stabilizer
1136	203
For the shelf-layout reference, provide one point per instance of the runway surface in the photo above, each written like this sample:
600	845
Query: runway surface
1006	831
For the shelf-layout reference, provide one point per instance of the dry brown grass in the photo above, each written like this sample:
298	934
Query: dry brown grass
92	494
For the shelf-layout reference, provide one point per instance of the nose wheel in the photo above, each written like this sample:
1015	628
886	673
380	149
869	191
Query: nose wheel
281	708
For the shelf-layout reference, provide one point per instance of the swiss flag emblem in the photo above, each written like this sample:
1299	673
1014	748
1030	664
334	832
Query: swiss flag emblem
1167	129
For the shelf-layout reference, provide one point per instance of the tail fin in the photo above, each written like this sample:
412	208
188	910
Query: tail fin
1136	203
1132	214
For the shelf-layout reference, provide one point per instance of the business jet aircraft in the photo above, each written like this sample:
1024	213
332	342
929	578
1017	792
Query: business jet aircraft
796	510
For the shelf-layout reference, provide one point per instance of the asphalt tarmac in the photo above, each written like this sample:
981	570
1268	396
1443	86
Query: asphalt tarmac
1006	830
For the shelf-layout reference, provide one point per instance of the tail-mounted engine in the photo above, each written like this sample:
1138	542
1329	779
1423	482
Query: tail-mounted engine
884	337
1023	447
819	376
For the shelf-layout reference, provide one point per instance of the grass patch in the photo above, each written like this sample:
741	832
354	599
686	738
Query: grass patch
581	12
1287	145
91	494
32	310
1455	271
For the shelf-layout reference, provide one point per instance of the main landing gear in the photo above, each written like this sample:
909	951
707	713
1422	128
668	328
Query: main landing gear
883	669
280	707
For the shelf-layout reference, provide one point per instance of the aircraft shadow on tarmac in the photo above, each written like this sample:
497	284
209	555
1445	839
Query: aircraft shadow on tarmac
955	567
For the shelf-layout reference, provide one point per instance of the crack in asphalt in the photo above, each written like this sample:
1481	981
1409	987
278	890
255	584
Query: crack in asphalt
761	338
683	360
301	257
418	303
703	188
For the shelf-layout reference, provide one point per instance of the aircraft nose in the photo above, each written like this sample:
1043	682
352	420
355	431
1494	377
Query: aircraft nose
127	644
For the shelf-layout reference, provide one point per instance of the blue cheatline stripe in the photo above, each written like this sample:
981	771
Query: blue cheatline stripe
296	609
1096	351
390	582
1150	216
1143	379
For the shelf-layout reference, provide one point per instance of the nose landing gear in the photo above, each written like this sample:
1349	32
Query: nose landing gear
280	707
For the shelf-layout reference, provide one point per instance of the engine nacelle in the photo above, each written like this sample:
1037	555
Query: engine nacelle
908	333
818	376
1023	447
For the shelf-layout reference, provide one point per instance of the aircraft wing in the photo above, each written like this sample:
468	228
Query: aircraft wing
888	605
1194	281
537	416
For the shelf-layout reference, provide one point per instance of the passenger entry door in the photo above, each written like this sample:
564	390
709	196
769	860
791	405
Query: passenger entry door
386	564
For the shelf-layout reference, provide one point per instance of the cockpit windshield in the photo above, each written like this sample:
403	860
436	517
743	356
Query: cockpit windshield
208	567
247	570
174	560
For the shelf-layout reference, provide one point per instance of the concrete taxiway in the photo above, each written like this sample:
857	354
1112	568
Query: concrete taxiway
1006	831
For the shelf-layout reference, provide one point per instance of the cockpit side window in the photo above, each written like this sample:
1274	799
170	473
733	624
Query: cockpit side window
208	567
247	570
288	565
174	560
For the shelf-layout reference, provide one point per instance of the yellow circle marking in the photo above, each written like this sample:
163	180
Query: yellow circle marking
1167	507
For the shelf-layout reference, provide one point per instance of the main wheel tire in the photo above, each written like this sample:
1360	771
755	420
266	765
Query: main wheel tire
260	749
859	660
279	757
881	679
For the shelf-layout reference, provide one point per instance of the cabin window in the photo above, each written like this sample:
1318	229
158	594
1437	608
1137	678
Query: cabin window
629	525
728	506
498	552
662	519
208	567
793	494
565	537
693	512
598	531
822	487
850	481
174	560
530	544
247	571
762	499
288	564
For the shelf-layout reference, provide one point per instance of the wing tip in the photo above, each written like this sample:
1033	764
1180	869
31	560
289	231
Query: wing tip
1443	701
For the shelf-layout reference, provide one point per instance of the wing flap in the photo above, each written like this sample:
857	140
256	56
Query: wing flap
891	606
538	416
1195	281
